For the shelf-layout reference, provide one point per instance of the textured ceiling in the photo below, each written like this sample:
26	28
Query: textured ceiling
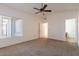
55	7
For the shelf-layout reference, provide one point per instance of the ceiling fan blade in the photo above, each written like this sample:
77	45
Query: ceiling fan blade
36	8
37	12
44	7
48	10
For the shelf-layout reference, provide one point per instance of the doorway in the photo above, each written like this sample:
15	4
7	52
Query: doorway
44	30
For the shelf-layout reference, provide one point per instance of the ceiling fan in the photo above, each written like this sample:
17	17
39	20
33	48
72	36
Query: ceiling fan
42	9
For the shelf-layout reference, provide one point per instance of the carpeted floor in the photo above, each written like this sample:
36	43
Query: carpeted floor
41	47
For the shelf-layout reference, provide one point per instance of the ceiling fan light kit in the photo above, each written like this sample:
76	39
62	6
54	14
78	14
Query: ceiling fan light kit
43	10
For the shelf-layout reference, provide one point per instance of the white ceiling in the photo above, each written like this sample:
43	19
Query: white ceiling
55	7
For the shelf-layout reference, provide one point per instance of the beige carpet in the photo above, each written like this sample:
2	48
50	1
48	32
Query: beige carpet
41	47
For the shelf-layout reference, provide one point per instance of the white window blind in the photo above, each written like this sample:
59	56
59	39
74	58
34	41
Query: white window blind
10	27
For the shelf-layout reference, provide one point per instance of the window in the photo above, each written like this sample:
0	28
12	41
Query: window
10	27
6	26
71	30
18	27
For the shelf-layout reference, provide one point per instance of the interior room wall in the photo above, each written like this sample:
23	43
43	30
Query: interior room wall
56	24
30	26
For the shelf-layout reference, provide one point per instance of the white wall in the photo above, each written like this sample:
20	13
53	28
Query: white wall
30	26
56	24
78	27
